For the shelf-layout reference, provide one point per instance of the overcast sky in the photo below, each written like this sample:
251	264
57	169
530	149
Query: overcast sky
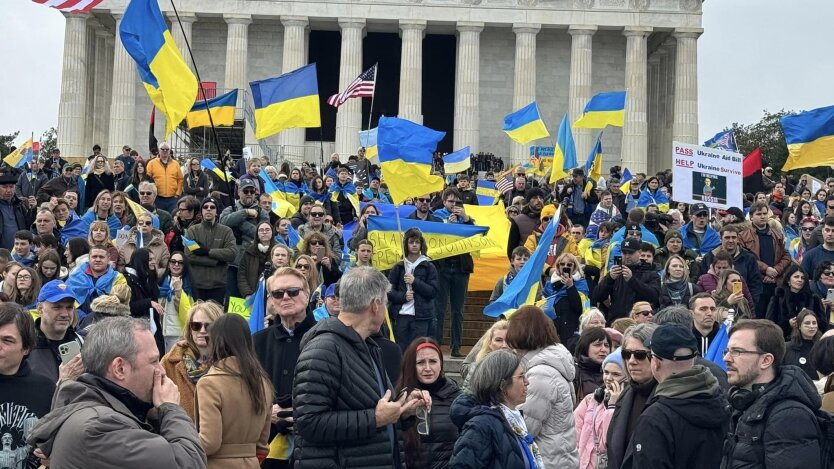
754	55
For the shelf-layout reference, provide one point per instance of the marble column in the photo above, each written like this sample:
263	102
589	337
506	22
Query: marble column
73	106
581	83
656	157
467	87
182	36
102	87
524	79
123	103
411	70
349	115
294	56
635	130
89	110
237	51
686	85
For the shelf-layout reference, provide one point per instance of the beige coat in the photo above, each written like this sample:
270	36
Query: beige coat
175	369
231	434
157	246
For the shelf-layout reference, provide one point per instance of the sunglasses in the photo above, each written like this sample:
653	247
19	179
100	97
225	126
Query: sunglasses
808	228
316	243
279	294
317	214
209	207
302	266
146	193
546	219
645	313
422	421
175	262
199	326
423	200
144	223
248	191
637	354
828	273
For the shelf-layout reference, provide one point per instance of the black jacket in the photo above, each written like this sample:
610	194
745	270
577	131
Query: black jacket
568	309
278	352
588	377
776	429
26	187
688	403
95	184
425	287
198	187
666	297
339	380
26	397
435	449
785	305
643	286
44	357
23	217
618	434
799	356
746	264
141	297
486	440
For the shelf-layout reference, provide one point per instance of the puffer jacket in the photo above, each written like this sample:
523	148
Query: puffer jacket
425	287
778	429
157	246
644	285
548	411
435	449
245	229
210	271
486	440
339	379
592	419
91	427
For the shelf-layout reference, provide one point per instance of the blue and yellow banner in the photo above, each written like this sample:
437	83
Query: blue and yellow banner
810	138
457	162
603	109
281	205
657	198
222	110
625	183
287	101
443	239
525	125
209	165
593	167
190	244
564	155
367	139
22	155
169	82
486	192
405	156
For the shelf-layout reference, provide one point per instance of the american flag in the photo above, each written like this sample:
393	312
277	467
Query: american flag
70	6
362	87
505	184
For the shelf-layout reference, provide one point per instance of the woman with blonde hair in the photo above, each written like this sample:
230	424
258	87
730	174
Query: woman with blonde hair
676	288
99	235
27	286
144	235
99	179
189	359
102	209
492	340
196	182
566	284
307	266
642	312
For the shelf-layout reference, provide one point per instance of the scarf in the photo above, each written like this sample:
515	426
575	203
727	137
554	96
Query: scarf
319	197
529	447
193	368
677	289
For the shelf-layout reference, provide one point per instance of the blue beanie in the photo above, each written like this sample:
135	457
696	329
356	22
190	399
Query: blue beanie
615	357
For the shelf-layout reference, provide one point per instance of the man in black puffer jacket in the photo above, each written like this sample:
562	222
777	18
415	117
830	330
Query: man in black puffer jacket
344	413
627	284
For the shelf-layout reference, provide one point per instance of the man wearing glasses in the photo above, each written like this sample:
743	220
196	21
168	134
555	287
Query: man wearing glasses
167	175
317	223
743	260
243	218
628	281
148	199
768	245
697	234
210	261
57	186
773	422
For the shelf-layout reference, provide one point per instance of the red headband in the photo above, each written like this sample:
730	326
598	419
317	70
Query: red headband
429	344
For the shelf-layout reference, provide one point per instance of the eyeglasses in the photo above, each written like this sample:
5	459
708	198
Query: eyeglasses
209	207
175	262
144	223
735	352
637	354
807	228
699	215
302	266
199	326
423	200
146	193
279	294
566	264
24	277
422	421
317	214
645	313
185	209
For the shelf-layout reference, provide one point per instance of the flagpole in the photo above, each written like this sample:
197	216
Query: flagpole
371	111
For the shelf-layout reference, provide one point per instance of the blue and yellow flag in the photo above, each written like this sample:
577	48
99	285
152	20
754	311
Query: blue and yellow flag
564	155
280	205
603	109
222	110
524	287
593	167
183	308
810	138
139	210
625	183
657	198
367	138
285	102
486	192
256	304
443	239
209	165
171	85
190	244
22	155
405	157
457	162
525	125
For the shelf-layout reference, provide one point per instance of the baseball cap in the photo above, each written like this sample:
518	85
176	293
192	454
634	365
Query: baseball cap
67	166
670	337
633	227
249	184
630	245
699	208
55	291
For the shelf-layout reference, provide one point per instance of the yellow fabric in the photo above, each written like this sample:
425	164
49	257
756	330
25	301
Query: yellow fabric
820	152
409	180
600	119
184	307
492	263
224	115
177	89
297	112
528	132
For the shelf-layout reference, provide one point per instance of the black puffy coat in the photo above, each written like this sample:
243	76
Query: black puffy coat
778	429
588	377
568	309
435	449
618	431
785	305
800	355
644	285
335	393
486	440
425	288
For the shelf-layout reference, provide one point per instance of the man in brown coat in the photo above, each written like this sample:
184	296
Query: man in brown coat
767	243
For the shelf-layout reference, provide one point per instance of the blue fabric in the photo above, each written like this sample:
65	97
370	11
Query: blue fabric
24	261
319	197
370	196
345	190
550	307
715	352
165	289
710	241
443	214
76	227
84	288
648	197
293	188
112	222
321	313
255	304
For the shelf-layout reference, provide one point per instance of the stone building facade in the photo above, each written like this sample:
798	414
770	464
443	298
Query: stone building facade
509	52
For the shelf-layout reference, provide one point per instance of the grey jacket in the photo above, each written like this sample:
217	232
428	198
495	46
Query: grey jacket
244	228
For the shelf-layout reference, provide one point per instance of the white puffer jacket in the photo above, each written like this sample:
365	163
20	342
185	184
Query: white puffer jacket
548	411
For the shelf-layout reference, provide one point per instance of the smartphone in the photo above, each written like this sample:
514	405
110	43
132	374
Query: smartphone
68	351
618	260
458	204
736	288
830	296
566	271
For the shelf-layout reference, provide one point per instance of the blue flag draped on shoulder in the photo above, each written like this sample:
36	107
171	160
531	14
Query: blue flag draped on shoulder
723	141
456	162
525	125
281	206
564	155
810	138
657	197
522	290
76	227
405	157
486	192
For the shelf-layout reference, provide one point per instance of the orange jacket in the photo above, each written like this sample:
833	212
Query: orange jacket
167	177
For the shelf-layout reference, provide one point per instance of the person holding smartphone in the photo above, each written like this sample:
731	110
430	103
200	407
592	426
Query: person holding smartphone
594	412
627	282
567	285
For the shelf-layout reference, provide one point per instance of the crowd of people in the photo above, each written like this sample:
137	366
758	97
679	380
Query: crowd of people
116	348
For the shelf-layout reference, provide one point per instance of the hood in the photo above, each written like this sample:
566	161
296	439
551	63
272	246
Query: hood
110	304
465	407
411	266
553	356
694	396
791	383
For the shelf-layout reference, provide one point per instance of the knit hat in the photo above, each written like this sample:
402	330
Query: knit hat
615	357
672	234
211	199
306	200
534	192
548	210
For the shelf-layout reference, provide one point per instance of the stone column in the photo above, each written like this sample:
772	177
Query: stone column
89	110
411	70
101	90
581	81
656	158
295	38
73	105
467	86
635	130
123	103
349	115
182	36
237	50
524	79
686	85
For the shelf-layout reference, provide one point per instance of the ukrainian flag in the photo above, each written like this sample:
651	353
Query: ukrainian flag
222	110
22	155
810	138
625	184
280	205
288	101
189	244
368	138
603	109
139	210
456	162
593	167
209	165
564	155
405	157
169	82
486	192
525	125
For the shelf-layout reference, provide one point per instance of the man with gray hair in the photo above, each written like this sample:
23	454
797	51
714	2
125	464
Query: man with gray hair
687	401
343	407
148	199
123	412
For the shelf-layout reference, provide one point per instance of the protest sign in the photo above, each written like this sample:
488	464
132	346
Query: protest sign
707	175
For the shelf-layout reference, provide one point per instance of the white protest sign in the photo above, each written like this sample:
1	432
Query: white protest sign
121	238
707	175
247	153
